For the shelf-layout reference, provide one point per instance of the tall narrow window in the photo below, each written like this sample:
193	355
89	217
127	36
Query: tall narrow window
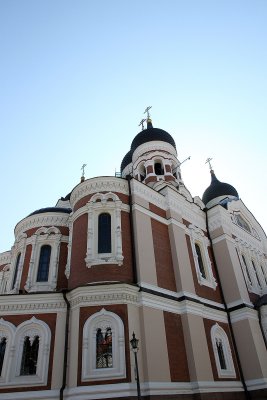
104	233
104	348
2	353
16	271
220	351
29	356
255	270
44	262
158	169
247	270
200	261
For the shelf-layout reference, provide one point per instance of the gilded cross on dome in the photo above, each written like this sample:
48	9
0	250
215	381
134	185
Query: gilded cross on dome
208	161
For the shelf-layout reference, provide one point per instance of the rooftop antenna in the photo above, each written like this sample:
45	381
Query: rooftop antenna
188	158
147	111
82	177
208	161
142	123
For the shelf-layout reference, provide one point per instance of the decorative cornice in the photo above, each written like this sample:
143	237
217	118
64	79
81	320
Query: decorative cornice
15	304
39	220
95	295
153	146
100	184
5	257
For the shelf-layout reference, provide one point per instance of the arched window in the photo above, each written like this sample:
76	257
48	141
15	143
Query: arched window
159	170
29	356
44	262
16	271
222	352
104	348
200	261
246	268
2	352
104	233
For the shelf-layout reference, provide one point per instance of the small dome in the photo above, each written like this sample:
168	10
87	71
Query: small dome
51	209
217	189
150	134
127	159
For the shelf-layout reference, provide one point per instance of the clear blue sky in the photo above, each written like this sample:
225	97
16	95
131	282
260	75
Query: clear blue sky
76	77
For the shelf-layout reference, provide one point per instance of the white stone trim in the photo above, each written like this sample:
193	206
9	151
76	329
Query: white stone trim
256	384
44	219
197	237
33	327
44	236
96	185
98	204
7	330
150	388
103	320
218	333
35	303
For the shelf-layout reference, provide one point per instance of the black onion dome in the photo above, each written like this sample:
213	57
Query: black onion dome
217	189
51	209
150	134
127	159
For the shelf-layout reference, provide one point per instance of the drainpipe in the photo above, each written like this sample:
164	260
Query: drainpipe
247	394
65	361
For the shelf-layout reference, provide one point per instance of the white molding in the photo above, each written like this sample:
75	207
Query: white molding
218	334
35	303
44	219
257	384
244	313
5	257
33	395
99	184
44	236
154	146
150	389
98	204
31	328
103	320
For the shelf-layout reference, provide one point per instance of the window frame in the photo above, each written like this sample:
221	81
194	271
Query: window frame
102	320
198	237
218	333
50	236
33	327
99	204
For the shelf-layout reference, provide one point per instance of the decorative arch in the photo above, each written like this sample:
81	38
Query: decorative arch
7	331
200	243
222	352
44	236
110	326
28	331
109	204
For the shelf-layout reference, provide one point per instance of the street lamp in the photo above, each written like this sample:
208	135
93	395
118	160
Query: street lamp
134	344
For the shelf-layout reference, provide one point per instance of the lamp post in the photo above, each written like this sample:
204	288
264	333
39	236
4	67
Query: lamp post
134	344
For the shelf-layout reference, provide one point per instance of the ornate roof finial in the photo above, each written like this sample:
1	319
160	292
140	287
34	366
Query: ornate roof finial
142	123
148	119
147	112
82	177
208	161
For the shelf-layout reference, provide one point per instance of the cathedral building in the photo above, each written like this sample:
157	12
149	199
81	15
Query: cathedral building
136	253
